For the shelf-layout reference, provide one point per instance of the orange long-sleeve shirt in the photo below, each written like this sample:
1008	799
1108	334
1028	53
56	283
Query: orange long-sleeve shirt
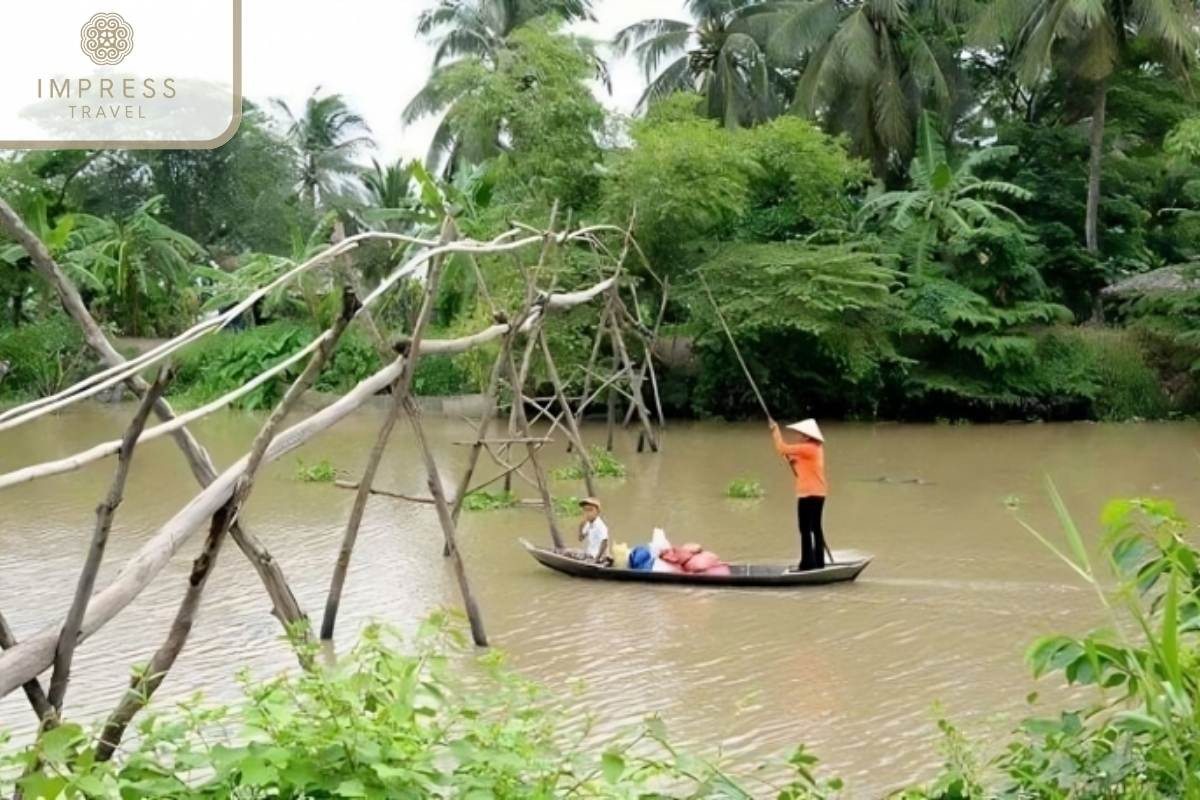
808	463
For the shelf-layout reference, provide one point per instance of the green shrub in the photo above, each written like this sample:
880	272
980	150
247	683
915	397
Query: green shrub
44	357
355	359
1139	735
1126	385
1129	385
392	719
221	362
441	376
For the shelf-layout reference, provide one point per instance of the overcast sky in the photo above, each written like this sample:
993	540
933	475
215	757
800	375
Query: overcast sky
367	51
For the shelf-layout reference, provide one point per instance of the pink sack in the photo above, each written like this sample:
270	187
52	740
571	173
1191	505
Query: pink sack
673	555
701	562
692	548
663	566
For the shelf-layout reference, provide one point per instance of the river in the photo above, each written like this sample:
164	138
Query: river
957	591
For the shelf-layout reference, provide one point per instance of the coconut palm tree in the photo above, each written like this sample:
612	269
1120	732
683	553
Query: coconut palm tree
714	55
469	37
325	138
867	67
1085	41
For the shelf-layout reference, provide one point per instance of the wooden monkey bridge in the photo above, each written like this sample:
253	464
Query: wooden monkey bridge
218	507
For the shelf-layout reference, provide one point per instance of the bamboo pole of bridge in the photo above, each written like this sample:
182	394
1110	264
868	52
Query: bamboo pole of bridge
23	662
144	684
492	395
448	526
400	391
647	368
519	378
491	399
69	637
591	367
572	429
539	473
32	687
285	607
635	382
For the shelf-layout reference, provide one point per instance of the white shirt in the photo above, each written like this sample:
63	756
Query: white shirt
595	533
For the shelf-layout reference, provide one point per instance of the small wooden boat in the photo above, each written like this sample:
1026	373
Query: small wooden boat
846	567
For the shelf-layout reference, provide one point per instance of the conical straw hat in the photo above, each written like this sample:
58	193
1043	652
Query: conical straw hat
809	428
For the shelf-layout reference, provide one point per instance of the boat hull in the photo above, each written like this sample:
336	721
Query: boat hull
846	567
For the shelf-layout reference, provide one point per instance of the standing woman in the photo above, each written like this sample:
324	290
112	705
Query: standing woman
807	460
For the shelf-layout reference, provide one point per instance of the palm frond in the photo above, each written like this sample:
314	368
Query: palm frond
629	37
1173	24
675	78
985	155
436	96
927	69
463	42
1044	28
651	52
819	73
796	28
446	12
1001	22
890	113
888	12
856	47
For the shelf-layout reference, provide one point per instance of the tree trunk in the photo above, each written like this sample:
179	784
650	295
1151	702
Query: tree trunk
1096	147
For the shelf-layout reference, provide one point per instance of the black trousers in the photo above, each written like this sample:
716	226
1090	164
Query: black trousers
812	538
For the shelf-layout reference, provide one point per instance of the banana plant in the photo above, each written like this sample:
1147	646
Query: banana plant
18	281
142	266
465	199
308	296
947	200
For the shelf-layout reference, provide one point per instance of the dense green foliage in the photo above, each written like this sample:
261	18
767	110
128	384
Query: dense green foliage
905	209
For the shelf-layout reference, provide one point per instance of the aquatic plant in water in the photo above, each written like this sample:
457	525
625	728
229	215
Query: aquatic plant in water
317	472
604	465
745	489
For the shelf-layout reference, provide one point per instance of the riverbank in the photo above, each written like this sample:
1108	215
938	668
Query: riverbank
1055	373
1068	373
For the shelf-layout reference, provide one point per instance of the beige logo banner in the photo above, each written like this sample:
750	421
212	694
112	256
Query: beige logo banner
82	78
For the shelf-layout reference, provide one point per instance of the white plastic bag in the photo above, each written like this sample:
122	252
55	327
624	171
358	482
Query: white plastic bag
658	542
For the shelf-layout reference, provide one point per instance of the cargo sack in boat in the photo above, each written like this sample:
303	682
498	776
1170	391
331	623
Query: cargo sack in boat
673	555
663	566
620	556
701	562
640	558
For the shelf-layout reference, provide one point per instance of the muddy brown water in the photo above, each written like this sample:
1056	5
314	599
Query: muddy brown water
956	593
